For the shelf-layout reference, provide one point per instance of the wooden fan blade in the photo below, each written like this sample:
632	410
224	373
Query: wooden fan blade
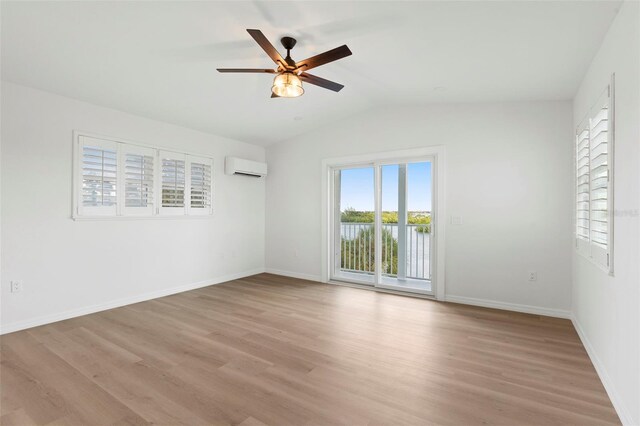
324	58
254	70
267	47
273	95
318	81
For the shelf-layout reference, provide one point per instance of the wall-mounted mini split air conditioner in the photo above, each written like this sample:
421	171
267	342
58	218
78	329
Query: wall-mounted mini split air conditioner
242	167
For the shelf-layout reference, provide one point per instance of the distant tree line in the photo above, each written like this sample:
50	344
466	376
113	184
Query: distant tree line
351	215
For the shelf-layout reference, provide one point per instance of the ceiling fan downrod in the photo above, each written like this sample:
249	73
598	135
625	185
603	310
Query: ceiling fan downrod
288	43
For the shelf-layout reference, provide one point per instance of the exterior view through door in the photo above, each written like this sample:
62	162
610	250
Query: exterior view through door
388	206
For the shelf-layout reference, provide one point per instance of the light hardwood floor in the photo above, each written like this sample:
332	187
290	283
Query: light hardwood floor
279	351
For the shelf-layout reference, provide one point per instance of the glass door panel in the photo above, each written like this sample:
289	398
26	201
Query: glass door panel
354	218
419	224
405	226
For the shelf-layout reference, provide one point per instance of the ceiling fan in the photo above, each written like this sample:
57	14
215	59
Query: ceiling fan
291	74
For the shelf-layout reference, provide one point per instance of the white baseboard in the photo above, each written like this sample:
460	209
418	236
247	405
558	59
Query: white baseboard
527	309
308	277
623	413
47	319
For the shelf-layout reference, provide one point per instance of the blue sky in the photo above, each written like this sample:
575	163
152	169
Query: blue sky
357	188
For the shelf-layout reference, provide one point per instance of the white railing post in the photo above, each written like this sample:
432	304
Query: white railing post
378	224
402	222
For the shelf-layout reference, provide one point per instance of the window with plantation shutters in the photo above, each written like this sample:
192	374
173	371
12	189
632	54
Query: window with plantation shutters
99	169
594	190
173	182
200	185
118	179
139	181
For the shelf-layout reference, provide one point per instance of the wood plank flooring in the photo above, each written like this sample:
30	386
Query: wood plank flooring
282	351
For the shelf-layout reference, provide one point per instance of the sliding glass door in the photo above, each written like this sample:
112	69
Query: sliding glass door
386	206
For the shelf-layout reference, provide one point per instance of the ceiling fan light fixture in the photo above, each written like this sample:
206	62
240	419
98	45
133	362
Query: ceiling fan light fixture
289	73
287	85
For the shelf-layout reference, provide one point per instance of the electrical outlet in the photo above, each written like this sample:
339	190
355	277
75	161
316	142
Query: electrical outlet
533	276
456	220
16	286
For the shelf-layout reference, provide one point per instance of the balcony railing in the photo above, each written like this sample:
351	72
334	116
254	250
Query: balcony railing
357	248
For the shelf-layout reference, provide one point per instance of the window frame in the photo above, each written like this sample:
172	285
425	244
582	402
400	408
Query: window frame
121	212
586	248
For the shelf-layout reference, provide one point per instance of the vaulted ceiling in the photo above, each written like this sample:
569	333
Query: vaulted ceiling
158	59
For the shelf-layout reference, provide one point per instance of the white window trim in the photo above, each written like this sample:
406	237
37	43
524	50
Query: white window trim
80	213
603	260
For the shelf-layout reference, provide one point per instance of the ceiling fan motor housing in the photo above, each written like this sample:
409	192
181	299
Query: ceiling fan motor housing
288	42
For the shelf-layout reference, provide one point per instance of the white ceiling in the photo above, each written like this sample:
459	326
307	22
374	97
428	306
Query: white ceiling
158	59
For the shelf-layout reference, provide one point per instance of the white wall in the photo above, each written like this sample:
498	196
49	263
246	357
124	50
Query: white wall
69	268
607	309
506	176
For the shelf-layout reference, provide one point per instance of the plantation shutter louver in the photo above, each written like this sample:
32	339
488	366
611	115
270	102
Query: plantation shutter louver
200	185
